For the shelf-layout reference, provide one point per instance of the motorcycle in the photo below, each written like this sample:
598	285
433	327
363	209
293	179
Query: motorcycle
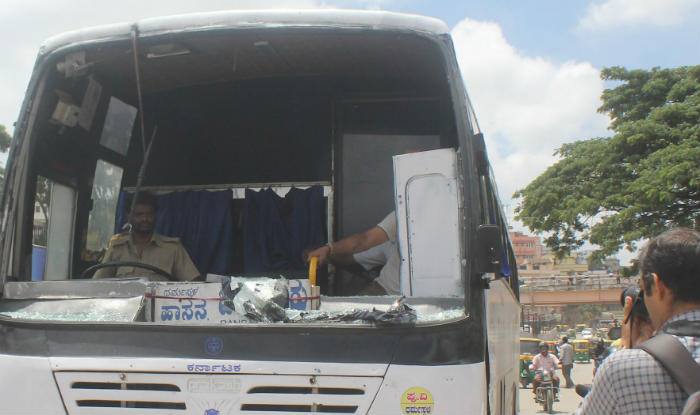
546	393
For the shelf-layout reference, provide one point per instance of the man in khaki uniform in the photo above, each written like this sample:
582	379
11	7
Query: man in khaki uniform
143	245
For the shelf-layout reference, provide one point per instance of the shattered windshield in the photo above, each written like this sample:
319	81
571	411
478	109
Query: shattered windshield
220	301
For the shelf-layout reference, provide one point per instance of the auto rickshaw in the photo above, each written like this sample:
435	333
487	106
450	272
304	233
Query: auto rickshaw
529	347
582	351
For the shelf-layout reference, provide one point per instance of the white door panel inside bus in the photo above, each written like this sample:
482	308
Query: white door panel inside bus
60	229
52	229
428	215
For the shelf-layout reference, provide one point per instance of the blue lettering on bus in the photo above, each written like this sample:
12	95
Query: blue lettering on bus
419	410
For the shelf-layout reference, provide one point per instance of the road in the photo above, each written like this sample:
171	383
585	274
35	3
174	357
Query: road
568	399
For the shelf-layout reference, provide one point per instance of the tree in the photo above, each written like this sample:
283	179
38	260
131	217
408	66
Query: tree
4	145
581	314
615	191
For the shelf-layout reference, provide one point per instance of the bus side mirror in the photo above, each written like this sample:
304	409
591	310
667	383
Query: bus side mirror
488	249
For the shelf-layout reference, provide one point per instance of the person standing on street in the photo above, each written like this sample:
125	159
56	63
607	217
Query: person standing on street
566	356
632	381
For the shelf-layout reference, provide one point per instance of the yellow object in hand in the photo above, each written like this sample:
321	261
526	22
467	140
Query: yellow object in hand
313	263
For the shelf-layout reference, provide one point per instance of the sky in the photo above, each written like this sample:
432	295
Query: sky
531	68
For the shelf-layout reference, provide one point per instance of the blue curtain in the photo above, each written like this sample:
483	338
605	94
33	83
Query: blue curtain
277	229
203	221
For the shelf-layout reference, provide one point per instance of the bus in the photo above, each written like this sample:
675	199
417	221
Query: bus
262	134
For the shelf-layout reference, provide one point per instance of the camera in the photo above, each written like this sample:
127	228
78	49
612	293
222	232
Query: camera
638	307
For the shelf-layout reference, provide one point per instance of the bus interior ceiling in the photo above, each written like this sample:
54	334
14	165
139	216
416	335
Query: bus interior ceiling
240	107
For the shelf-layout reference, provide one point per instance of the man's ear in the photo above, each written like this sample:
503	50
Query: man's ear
660	286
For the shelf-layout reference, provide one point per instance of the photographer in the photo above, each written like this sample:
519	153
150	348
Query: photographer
636	329
632	381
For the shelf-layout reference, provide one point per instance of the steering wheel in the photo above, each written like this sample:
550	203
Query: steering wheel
112	264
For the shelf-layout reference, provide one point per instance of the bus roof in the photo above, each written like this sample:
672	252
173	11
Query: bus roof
238	19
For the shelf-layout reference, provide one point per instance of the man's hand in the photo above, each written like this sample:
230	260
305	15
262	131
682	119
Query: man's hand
322	253
342	250
637	330
626	329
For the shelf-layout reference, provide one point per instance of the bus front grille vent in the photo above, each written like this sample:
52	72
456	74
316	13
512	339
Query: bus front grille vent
103	393
302	399
108	393
101	403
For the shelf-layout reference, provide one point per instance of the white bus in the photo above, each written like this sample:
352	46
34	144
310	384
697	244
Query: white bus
262	134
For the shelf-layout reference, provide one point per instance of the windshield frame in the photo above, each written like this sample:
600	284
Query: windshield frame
443	41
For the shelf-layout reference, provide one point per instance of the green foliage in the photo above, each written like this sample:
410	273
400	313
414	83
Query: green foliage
581	314
4	146
595	263
614	191
631	271
4	139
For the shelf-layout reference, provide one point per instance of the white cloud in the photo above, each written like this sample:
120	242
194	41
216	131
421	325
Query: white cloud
526	106
613	14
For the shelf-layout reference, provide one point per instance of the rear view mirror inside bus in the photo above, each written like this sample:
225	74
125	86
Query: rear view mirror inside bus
489	249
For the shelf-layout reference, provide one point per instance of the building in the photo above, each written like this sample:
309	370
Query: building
526	248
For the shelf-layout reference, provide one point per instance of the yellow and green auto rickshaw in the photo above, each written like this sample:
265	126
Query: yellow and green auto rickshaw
582	351
529	347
